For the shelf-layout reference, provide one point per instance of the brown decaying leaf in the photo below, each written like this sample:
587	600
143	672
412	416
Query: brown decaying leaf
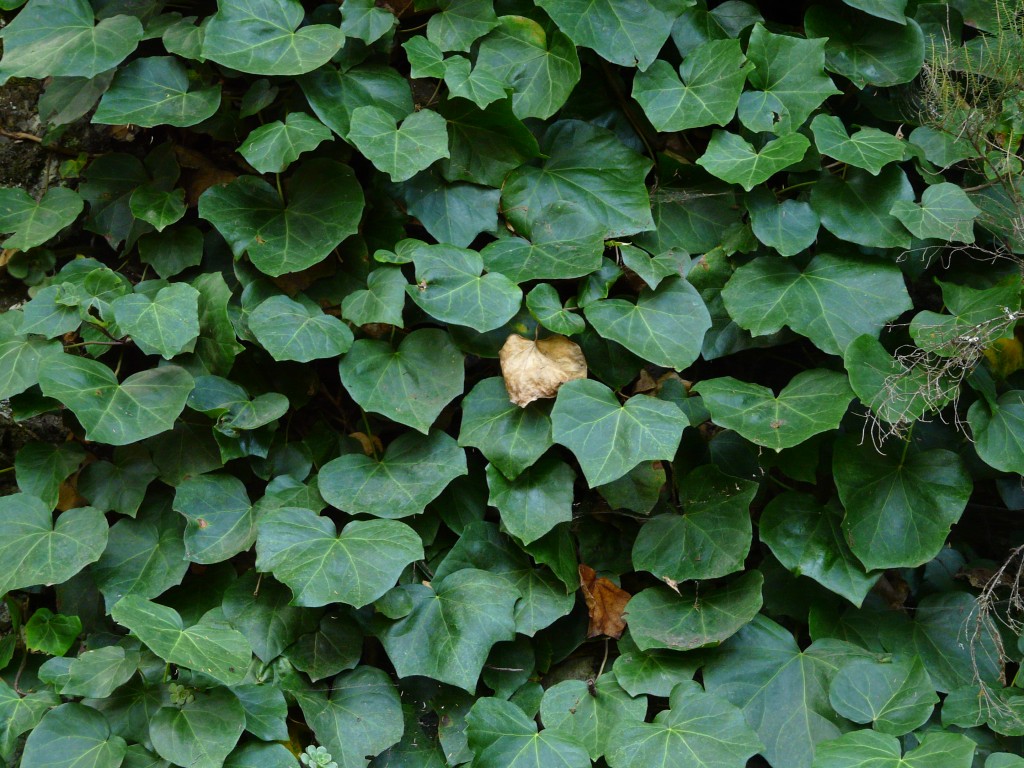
536	369
605	602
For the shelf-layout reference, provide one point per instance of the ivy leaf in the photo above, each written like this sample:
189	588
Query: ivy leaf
98	672
610	439
35	550
569	708
361	19
709	540
58	38
684	619
320	566
166	324
484	144
865	747
453	213
789	226
34	222
460	23
381	302
334	94
788	81
220	521
336	645
868	148
273	147
510	437
173	251
892	10
464	614
878	53
412	473
998	431
323	207
260	37
232	407
546	307
666	326
260	609
51	633
19	714
156	91
201	733
899	509
625	32
502	736
540	65
697	729
266	710
71	736
731	158
712	79
157	207
897	696
208	646
21	356
813	402
480	87
832	301
41	468
586	166
537	500
411	384
857	208
806	538
359	714
425	58
291	330
400	151
945	212
450	288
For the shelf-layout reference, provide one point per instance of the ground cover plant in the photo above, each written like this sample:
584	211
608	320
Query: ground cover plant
508	383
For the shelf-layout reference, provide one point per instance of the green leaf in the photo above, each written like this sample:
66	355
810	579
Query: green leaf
610	439
336	645
813	402
981	312
857	208
73	736
173	251
899	509
450	287
712	80
453	213
788	81
166	324
666	326
789	226
412	473
484	144
545	306
653	672
897	696
209	646
34	222
537	500
400	151
411	384
292	330
51	633
359	714
868	148
21	713
21	356
510	437
361	19
832	301
945	212
58	38
540	65
870	748
867	51
381	302
625	32
697	729
464	614
570	709
502	736
260	37
731	158
334	94
41	468
266	710
476	85
586	166
891	10
260	609
156	91
460	23
998	431
709	540
35	550
273	147
321	566
323	207
806	538
97	673
220	521
201	733
232	407
157	207
686	619
425	58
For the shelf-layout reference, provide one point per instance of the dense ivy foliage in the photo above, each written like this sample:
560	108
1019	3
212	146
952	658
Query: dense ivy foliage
743	488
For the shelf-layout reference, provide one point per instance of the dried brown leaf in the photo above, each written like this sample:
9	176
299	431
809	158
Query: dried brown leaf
536	369
606	603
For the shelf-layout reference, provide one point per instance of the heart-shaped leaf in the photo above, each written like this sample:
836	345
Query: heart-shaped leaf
896	696
292	330
609	438
74	735
41	468
868	148
21	356
220	521
381	302
321	566
537	500
476	85
202	732
323	206
158	207
459	23
400	151
156	91
733	159
98	672
813	402
453	213
411	474
334	94
273	147
998	430
569	709
945	212
166	324
501	735
789	226
363	20
260	608
858	749
411	384
546	307
34	222
261	37
145	404
857	207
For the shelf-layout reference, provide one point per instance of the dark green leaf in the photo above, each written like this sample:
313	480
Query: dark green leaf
292	330
400	151
334	94
201	733
459	23
166	324
220	521
733	159
998	431
537	500
259	608
502	736
945	213
381	302
570	709
897	696
857	208
273	147
156	91
864	748
41	468
31	221
868	148
97	673
73	736
789	226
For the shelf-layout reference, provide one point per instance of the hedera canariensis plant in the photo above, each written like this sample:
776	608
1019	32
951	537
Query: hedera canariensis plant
509	383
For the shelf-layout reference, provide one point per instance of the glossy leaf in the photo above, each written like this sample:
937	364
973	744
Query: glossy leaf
399	150
502	736
998	430
74	735
945	213
33	222
291	330
868	148
273	147
166	324
156	91
201	733
897	697
858	207
219	518
731	158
